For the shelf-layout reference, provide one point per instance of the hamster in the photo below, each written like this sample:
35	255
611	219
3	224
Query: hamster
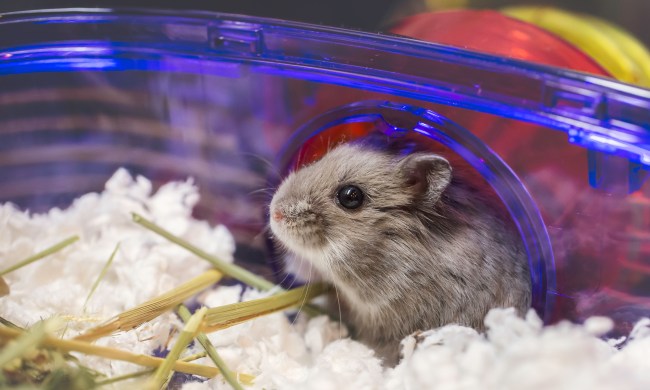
407	242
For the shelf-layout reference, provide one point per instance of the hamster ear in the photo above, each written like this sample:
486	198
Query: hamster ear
428	175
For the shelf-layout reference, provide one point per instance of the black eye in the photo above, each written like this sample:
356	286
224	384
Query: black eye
350	197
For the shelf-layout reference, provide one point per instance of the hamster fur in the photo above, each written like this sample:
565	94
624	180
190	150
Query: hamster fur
425	248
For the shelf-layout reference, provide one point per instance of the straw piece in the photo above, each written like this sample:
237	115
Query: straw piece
153	308
101	275
195	356
112	353
229	269
185	315
51	250
24	343
9	324
125	377
138	374
228	315
191	328
4	288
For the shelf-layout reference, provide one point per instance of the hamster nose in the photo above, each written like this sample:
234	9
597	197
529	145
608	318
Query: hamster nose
277	216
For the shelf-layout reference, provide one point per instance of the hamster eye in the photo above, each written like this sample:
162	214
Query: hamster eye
350	197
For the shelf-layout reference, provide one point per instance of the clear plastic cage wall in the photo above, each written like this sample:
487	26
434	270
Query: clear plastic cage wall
216	97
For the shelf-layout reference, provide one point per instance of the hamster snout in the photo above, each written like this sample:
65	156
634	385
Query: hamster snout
295	222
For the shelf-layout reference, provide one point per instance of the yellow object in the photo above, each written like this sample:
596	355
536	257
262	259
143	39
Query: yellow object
437	5
616	50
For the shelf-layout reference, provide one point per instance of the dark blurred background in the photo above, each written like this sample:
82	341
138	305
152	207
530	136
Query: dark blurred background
370	15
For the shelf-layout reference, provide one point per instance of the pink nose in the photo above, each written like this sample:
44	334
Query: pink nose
277	216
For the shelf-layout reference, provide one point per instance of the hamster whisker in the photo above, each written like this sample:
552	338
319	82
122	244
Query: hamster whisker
347	266
338	302
283	272
266	229
298	274
329	145
266	191
265	161
304	300
300	270
284	279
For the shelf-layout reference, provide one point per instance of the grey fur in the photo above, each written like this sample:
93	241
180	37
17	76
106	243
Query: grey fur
426	249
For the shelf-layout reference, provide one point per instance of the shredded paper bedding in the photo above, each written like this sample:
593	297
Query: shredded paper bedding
280	351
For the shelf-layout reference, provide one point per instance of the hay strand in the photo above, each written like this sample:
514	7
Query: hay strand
185	315
112	353
153	308
4	287
191	328
44	253
246	379
25	342
229	269
101	275
228	315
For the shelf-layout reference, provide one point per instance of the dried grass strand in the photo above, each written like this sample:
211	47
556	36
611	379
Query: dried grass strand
101	275
229	269
246	379
164	371
4	287
153	308
44	253
228	375
22	344
114	354
125	377
228	315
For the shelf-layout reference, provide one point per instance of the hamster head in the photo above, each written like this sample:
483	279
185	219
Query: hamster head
351	200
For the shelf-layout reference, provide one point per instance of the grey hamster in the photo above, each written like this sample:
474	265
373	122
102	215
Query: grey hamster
407	241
